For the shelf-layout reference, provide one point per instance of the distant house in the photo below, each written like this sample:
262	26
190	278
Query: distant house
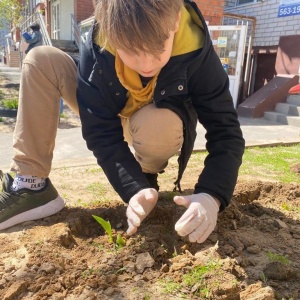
57	14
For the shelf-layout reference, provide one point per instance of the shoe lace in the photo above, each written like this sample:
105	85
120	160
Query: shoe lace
7	199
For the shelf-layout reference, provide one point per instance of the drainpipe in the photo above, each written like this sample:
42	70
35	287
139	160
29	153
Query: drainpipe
246	87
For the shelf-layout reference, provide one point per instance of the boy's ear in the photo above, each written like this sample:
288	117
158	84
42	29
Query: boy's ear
177	21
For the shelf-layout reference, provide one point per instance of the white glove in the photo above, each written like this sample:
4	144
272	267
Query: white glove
200	218
139	207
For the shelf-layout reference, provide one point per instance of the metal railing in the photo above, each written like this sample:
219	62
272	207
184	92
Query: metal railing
250	22
76	33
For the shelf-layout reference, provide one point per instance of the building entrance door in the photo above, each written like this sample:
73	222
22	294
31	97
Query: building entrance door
56	19
229	43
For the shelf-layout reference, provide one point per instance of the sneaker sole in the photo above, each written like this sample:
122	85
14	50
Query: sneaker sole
40	212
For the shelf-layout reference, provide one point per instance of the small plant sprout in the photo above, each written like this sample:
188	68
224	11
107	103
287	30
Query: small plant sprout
274	257
263	277
118	241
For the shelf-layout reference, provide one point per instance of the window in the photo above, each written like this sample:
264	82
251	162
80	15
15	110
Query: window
241	2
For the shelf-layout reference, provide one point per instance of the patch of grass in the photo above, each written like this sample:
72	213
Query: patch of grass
289	207
90	203
94	170
97	189
274	257
10	103
100	191
1	119
194	280
270	163
86	273
169	286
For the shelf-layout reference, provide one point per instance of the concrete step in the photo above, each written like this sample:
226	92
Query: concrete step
288	109
293	99
282	118
289	120
271	116
65	45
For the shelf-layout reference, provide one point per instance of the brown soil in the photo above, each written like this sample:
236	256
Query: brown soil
254	252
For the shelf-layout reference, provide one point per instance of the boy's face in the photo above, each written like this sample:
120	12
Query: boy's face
148	65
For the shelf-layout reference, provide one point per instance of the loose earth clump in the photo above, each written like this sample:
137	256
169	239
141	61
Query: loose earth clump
254	252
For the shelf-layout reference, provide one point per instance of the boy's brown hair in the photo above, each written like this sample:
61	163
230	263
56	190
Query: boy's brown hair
137	25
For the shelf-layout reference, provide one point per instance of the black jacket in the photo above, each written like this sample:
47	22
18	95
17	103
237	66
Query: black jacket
194	85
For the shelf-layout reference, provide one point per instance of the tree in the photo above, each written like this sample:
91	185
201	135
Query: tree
10	11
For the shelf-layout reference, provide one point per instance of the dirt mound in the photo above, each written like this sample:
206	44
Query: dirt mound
254	253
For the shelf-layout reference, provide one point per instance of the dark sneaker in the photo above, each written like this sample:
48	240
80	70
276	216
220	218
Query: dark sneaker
27	205
6	182
152	179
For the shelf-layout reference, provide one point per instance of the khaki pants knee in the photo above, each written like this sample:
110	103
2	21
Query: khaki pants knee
156	134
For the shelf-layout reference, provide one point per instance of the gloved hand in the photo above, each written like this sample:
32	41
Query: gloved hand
139	207
200	218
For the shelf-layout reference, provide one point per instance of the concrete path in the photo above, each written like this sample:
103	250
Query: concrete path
70	145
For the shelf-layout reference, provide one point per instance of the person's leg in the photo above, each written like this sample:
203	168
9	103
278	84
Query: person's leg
47	75
156	134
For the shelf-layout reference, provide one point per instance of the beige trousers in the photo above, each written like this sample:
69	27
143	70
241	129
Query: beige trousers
49	74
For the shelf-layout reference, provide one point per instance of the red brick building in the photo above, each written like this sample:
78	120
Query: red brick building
212	10
83	9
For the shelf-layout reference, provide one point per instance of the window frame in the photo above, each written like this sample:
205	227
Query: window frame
237	3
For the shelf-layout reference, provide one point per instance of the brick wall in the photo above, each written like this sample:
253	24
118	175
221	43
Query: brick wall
269	27
83	9
212	10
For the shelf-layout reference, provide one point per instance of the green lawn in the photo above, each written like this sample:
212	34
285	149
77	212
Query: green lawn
270	163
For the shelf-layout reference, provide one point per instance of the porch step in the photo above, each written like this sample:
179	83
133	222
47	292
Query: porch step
65	45
288	109
294	99
286	113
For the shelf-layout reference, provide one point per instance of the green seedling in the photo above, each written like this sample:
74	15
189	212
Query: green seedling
263	277
119	241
